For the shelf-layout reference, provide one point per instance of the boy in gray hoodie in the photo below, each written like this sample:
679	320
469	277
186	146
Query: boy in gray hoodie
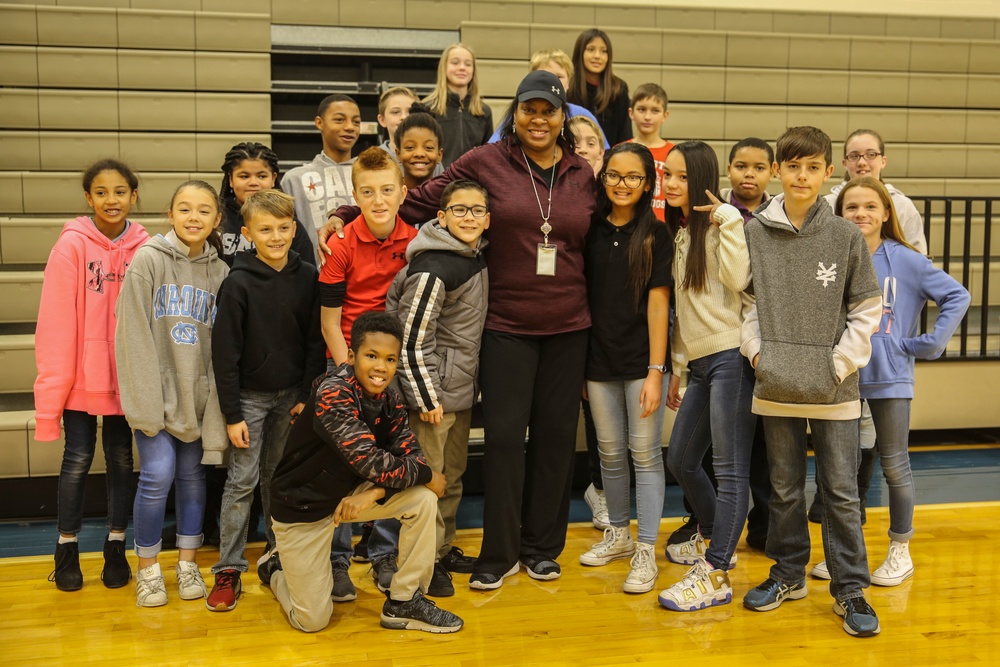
817	305
440	298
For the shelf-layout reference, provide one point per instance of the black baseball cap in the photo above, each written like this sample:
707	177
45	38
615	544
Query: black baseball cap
542	85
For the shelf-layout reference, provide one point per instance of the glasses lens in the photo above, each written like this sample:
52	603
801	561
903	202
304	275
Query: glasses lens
633	181
459	210
612	178
479	211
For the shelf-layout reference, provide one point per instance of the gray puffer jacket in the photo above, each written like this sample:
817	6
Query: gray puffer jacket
440	297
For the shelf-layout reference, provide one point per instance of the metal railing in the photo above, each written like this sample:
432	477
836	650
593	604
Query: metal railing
951	223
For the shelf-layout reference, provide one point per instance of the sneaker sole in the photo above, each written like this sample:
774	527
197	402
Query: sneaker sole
643	587
481	586
839	611
669	603
351	597
542	577
393	623
219	607
892	581
794	594
820	574
360	559
441	593
594	561
155	603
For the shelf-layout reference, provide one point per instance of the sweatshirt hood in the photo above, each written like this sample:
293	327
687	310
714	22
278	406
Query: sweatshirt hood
772	214
432	236
84	225
248	261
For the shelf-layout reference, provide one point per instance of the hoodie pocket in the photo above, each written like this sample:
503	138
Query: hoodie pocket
886	361
445	368
278	370
796	373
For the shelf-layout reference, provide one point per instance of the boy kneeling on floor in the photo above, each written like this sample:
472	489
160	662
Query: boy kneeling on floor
351	456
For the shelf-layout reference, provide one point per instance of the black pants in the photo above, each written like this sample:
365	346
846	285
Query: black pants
533	384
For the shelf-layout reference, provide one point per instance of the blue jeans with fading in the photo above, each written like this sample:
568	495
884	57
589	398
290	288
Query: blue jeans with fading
892	431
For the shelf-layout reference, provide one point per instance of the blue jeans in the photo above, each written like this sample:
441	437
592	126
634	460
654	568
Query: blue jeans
165	460
81	443
716	413
620	429
838	453
268	421
892	431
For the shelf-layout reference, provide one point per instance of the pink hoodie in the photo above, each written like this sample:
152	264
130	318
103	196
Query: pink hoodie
75	336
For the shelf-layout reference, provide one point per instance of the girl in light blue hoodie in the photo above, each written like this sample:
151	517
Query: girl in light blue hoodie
908	280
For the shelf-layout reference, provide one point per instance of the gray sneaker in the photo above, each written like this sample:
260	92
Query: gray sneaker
382	571
418	613
343	587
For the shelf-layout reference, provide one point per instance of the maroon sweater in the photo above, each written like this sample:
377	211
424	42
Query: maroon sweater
520	301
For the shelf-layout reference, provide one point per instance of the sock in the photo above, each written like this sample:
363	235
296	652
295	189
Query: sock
117	536
65	540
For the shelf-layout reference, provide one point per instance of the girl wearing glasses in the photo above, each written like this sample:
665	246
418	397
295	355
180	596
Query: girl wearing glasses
628	260
711	269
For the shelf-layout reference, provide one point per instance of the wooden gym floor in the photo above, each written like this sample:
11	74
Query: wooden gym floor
947	614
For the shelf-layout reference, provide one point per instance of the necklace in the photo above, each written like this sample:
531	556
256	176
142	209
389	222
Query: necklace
546	227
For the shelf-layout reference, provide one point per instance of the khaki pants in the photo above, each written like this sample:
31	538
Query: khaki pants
446	448
304	583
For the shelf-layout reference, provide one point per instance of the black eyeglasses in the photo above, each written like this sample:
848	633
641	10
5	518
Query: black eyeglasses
632	181
867	155
461	210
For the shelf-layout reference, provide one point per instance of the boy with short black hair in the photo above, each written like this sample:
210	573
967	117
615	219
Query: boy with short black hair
351	456
649	112
749	172
325	183
266	351
817	305
440	297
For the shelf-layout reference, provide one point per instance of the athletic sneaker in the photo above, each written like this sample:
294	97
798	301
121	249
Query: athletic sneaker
343	587
226	591
688	553
821	571
116	572
642	577
150	590
486	581
440	586
456	561
701	587
67	574
189	581
771	593
897	568
598	504
617	543
685	532
383	570
267	565
859	617
541	568
418	613
361	548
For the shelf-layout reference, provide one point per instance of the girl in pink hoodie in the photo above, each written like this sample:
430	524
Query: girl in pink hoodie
75	355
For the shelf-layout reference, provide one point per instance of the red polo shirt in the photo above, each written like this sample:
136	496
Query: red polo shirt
360	268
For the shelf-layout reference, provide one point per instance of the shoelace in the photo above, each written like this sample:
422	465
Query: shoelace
192	577
223	581
146	587
893	557
641	559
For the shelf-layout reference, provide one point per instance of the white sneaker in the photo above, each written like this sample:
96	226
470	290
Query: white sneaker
189	581
701	587
688	553
897	568
821	571
598	504
617	543
149	588
642	577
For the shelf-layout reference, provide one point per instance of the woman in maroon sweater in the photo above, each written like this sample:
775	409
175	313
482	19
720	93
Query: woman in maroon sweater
542	197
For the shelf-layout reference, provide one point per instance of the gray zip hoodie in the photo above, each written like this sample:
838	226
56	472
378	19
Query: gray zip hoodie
817	305
163	344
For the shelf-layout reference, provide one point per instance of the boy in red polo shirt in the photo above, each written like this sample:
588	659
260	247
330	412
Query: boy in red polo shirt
354	280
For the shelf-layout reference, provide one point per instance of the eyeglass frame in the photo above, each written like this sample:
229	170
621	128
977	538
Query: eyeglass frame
869	156
622	179
468	209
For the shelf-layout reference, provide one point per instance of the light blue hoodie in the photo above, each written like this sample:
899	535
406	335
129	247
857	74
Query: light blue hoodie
908	280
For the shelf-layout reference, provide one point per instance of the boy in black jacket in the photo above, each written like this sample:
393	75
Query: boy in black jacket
266	351
351	456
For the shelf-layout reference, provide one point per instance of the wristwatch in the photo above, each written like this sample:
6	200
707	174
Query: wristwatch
661	368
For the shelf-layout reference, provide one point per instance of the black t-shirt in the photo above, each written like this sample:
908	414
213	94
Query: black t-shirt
619	336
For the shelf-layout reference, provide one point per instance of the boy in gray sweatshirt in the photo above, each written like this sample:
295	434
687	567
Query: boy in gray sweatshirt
817	305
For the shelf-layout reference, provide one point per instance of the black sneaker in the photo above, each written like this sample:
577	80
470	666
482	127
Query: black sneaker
67	574
685	532
441	586
116	572
486	581
456	561
361	548
343	587
859	617
382	571
541	568
418	613
815	513
267	565
770	594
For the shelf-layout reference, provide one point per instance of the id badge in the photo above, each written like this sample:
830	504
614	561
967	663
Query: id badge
545	264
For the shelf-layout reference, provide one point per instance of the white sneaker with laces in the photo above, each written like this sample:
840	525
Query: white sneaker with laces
617	543
598	504
821	571
642	577
149	588
701	587
189	581
897	568
688	553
